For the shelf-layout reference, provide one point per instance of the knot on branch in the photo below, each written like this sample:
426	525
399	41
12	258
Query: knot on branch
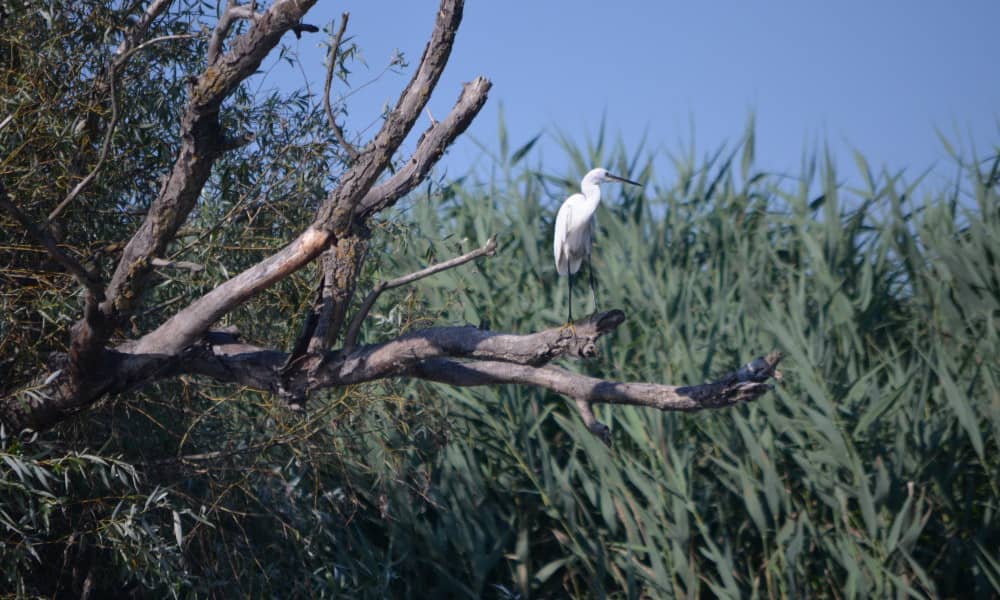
580	339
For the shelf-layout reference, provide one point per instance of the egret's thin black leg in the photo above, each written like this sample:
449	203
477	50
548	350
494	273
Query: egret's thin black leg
570	298
593	285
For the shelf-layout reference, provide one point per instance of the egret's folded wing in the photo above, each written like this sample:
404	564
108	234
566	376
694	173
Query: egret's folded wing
578	240
559	249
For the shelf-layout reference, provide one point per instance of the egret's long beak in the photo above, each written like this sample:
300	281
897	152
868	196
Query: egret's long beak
623	180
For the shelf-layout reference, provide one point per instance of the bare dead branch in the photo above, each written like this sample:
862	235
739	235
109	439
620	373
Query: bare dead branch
744	385
352	152
301	28
150	42
341	265
462	356
599	429
398	356
338	212
316	342
248	12
234	12
186	326
223	357
309	325
489	249
177	264
431	146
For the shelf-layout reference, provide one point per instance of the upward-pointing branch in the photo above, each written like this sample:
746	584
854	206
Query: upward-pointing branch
341	207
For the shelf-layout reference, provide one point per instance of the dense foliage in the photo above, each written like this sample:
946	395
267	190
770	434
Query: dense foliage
872	469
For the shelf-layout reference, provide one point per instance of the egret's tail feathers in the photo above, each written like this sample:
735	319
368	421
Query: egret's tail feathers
565	267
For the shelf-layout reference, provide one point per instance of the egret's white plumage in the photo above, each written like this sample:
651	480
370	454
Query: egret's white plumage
574	232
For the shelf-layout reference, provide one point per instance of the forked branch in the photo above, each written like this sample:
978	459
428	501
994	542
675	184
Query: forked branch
430	147
234	12
341	208
202	142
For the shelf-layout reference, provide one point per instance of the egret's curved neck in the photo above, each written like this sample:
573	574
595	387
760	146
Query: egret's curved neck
592	192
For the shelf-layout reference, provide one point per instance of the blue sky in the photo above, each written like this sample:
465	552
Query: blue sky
877	76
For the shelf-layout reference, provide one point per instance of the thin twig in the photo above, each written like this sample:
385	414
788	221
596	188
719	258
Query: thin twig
350	338
116	65
42	235
105	147
163	38
352	152
177	264
155	9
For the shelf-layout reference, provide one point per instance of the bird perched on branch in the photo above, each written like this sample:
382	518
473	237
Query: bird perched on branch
574	234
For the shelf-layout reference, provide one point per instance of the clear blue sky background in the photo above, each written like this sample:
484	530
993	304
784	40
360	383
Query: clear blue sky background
878	76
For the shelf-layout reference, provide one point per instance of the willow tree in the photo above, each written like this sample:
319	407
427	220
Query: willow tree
121	123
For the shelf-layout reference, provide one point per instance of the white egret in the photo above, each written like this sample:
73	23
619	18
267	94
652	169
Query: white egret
575	228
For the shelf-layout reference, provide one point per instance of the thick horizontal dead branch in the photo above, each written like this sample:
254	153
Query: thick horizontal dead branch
463	356
737	387
743	385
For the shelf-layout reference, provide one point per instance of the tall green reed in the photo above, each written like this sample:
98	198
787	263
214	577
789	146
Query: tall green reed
871	471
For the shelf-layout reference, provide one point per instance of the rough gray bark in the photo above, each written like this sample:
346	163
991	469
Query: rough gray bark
464	356
184	344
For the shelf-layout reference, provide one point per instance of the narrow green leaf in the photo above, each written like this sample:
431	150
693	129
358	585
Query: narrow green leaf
523	150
